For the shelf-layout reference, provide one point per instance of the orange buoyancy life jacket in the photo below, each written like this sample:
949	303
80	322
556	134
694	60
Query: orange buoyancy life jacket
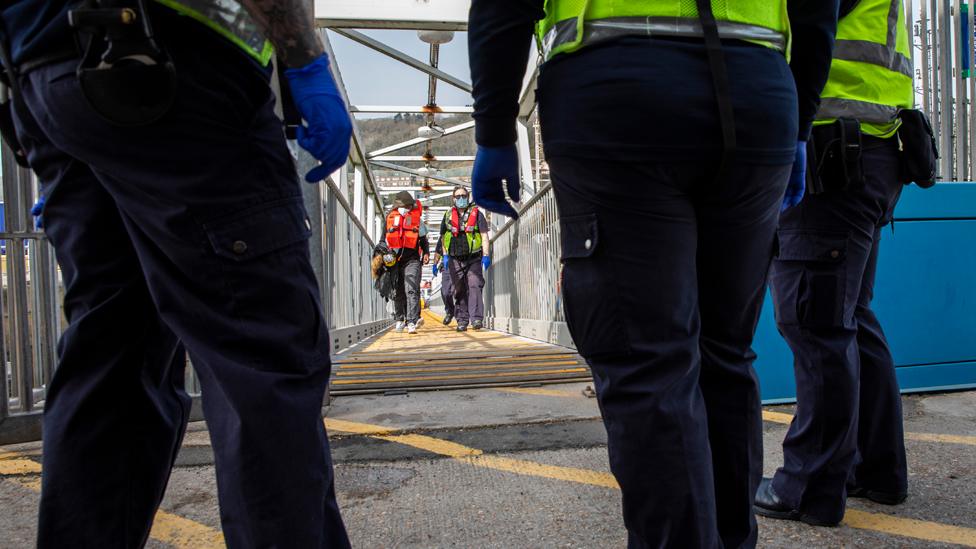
470	227
471	232
403	231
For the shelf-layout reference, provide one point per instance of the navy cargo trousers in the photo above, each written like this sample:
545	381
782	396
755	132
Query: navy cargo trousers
848	425
664	274
189	232
468	280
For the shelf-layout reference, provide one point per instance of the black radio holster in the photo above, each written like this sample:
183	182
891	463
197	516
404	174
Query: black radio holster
835	157
125	76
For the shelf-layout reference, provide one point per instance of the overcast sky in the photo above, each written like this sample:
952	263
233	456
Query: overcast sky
372	78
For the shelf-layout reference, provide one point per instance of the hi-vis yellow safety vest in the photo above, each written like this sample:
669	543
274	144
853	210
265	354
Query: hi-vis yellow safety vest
871	75
572	24
230	20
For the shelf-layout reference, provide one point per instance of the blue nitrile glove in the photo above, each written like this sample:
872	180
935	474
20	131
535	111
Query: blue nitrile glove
328	128
444	264
797	186
434	269
491	166
37	212
485	262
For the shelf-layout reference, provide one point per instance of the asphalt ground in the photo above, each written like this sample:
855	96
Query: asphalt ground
527	467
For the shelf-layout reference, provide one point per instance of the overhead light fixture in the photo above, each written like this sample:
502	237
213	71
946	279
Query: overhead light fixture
427	170
435	37
430	132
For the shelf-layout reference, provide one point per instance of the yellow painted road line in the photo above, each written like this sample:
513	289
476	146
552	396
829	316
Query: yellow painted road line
911	528
539	391
475	457
478	368
855	518
15	464
779	417
333	424
457	376
167	528
182	532
933	437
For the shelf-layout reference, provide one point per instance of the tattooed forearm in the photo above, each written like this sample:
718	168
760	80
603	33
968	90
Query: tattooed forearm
290	26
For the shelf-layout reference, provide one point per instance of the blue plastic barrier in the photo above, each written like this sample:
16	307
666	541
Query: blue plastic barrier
925	297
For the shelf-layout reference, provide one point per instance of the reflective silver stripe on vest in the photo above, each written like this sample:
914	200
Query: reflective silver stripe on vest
229	15
883	55
599	30
835	107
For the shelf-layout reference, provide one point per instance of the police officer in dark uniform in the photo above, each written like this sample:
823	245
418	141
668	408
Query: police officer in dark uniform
447	288
177	218
670	151
847	437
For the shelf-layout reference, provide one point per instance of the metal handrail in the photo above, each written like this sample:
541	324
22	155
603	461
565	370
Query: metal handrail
32	286
525	207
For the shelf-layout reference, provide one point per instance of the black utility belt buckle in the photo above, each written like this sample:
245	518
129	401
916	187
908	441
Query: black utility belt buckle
125	76
835	154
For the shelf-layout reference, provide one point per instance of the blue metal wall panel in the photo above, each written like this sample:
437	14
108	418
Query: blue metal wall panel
925	296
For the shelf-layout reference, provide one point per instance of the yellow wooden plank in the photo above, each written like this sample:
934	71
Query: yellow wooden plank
478	368
458	376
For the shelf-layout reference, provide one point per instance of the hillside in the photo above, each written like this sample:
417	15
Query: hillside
383	132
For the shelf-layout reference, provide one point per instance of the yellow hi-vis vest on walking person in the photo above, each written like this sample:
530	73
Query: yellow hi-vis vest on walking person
572	24
871	75
467	224
230	20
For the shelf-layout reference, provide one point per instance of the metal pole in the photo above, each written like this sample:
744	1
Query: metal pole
525	160
923	34
972	101
945	75
960	110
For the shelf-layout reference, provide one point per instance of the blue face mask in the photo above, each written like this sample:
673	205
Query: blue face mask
461	202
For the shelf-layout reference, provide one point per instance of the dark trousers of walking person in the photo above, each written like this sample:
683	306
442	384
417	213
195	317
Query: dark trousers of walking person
468	280
191	229
665	263
407	299
848	425
447	294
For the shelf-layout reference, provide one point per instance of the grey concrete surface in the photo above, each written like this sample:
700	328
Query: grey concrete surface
393	496
466	408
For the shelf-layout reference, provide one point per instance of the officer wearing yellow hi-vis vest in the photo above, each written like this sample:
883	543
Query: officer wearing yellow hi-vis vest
464	245
671	130
847	438
175	210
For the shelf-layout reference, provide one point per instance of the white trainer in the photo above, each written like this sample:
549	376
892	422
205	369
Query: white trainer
399	326
411	328
420	322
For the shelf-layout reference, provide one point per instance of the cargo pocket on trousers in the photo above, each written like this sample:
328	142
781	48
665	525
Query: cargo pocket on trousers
256	231
592	301
809	277
262	257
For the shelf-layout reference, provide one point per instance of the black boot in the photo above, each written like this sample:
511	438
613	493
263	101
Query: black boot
769	505
448	318
884	498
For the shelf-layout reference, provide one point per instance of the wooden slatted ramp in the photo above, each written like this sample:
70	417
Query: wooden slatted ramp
438	357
